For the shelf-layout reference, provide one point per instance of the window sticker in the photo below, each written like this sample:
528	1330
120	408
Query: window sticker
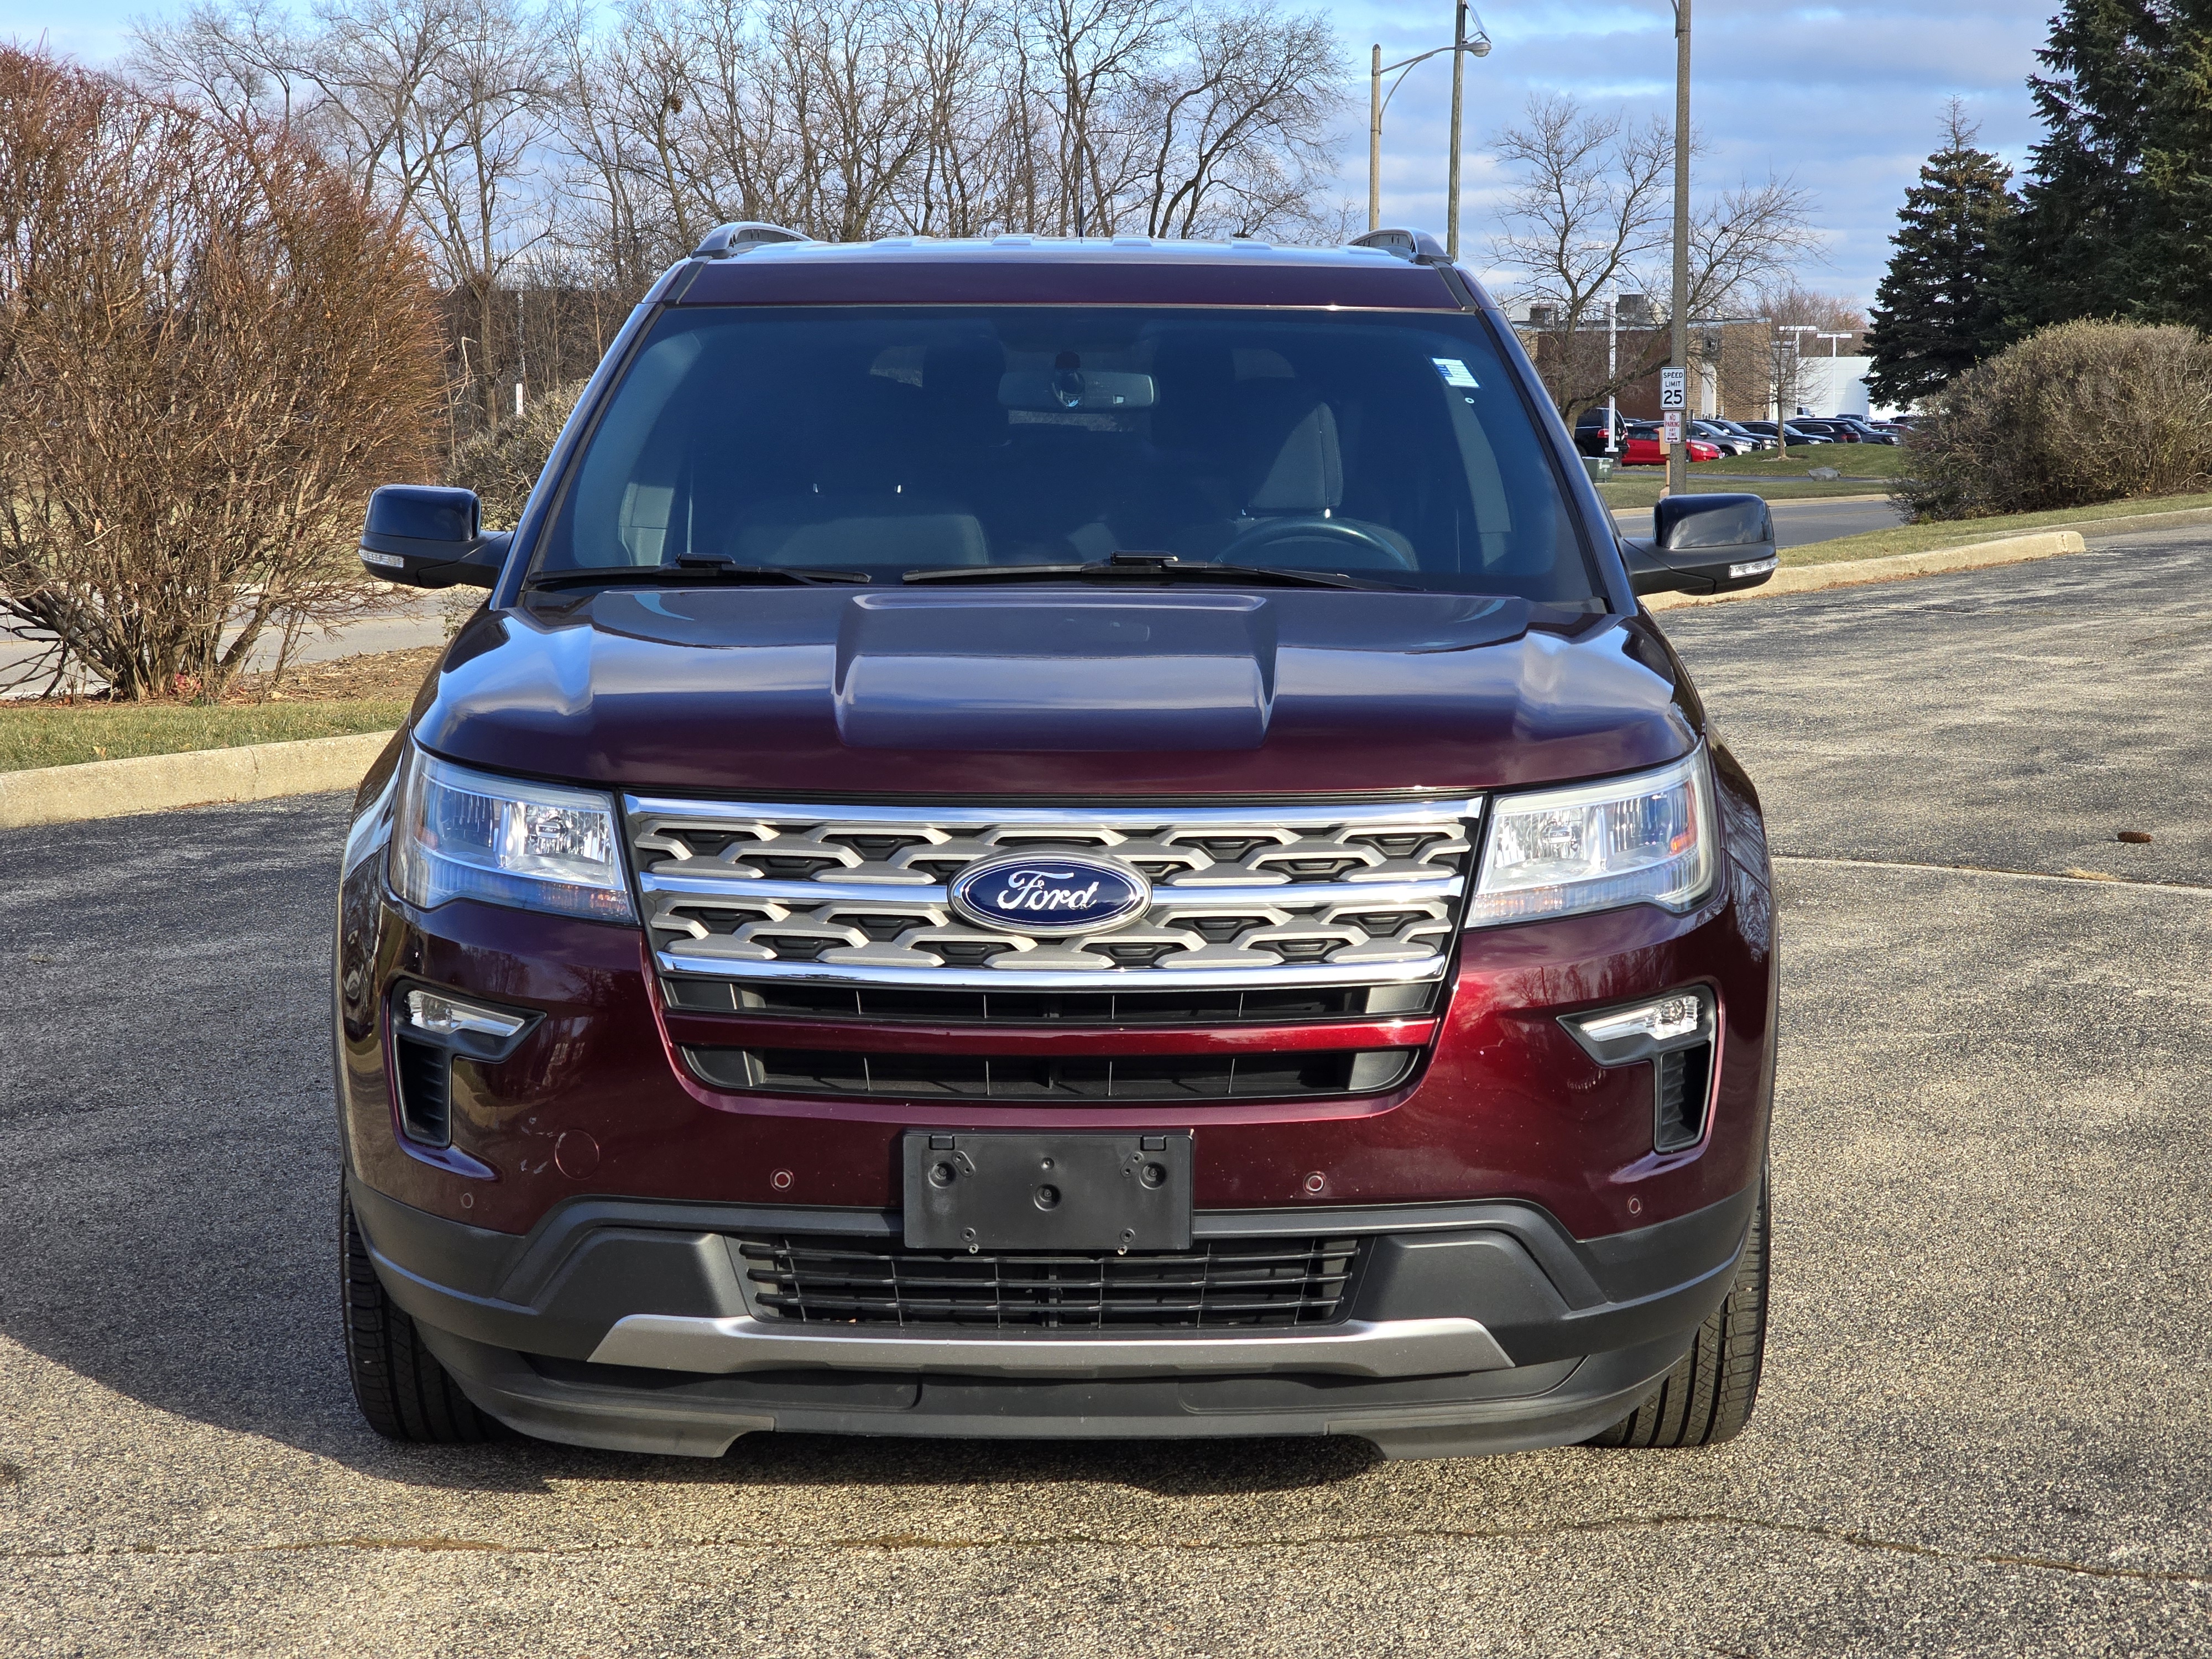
1454	372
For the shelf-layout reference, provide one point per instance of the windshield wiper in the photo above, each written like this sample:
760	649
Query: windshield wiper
691	571
1142	567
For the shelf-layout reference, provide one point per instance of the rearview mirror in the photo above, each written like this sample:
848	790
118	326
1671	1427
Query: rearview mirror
1045	389
423	536
1703	544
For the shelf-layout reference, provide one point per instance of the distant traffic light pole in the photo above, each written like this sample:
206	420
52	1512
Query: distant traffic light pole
1462	47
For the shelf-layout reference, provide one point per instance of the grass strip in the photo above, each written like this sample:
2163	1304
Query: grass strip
34	734
1867	470
1959	533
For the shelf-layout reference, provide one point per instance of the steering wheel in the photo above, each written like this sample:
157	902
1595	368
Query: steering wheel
1268	531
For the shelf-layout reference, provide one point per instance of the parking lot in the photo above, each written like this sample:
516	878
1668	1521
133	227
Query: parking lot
1986	1426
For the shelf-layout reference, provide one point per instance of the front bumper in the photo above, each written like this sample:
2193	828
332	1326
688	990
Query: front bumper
1471	1327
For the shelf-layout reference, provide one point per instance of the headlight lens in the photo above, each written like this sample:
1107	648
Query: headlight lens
460	834
1642	840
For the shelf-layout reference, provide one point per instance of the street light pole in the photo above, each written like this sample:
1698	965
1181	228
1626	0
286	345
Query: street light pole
1678	454
1459	77
1375	141
1379	102
1612	363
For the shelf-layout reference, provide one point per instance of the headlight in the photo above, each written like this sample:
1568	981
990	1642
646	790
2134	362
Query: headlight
460	834
1642	840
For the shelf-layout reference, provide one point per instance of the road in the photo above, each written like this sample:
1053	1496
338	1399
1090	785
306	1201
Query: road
1986	1426
1798	522
412	620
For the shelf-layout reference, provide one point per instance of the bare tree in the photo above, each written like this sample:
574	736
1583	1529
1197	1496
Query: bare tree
211	348
564	145
493	107
1591	213
1088	57
1238	125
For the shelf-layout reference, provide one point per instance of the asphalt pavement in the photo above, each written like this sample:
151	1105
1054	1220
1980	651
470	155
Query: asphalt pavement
1988	1401
1798	522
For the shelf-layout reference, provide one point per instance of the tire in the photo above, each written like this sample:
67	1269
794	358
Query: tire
403	1391
1709	1395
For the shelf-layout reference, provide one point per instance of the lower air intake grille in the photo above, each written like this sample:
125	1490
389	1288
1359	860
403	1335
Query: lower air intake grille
425	1079
1683	1080
1290	1281
979	1077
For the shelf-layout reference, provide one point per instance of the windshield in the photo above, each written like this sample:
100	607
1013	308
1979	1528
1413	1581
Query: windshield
883	442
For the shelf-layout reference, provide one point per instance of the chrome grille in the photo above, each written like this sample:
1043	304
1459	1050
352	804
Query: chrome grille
1244	896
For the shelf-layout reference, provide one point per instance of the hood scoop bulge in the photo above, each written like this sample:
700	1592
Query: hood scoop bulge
1064	672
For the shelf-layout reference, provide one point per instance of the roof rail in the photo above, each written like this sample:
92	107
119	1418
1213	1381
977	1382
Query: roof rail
741	234
1417	246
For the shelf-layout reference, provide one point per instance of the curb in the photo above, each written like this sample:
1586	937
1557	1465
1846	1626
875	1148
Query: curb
199	777
2121	525
1855	573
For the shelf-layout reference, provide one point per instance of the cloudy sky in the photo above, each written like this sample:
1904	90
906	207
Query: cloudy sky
1844	98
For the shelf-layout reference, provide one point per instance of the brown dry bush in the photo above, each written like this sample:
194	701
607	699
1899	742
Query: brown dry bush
2076	414
211	349
502	465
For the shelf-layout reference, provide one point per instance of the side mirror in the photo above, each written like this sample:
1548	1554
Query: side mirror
1703	544
426	536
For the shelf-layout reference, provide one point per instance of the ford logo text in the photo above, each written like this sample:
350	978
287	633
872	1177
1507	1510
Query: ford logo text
1050	896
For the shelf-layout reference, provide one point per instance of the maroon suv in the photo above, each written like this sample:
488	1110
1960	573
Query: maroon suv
1059	839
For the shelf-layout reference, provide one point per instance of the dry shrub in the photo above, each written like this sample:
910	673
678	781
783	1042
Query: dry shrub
211	349
2076	414
502	465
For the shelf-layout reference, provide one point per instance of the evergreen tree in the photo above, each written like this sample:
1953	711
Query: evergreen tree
2078	245
1938	310
2170	265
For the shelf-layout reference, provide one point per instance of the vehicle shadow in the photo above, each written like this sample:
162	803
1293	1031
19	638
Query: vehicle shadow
169	1168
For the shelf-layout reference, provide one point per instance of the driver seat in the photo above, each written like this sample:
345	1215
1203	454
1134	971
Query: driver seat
1289	468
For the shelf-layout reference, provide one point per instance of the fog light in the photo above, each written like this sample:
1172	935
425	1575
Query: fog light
441	1016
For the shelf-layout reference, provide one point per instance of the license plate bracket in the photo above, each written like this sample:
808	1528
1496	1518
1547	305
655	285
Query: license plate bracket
1070	1190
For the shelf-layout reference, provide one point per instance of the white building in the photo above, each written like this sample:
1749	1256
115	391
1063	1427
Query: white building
1838	386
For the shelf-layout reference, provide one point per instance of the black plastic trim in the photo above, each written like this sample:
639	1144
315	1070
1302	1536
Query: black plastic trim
1544	1294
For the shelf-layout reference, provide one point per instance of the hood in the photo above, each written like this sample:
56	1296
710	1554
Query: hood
1046	691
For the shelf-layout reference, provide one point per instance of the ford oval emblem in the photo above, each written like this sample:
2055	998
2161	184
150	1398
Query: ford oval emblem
1050	893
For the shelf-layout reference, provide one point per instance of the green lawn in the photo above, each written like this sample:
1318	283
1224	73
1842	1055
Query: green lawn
1957	532
34	734
1867	470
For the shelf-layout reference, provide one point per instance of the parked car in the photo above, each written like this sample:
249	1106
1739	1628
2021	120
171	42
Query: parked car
1839	432
1646	447
1758	440
1798	435
1590	432
1721	438
1867	431
1080	842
